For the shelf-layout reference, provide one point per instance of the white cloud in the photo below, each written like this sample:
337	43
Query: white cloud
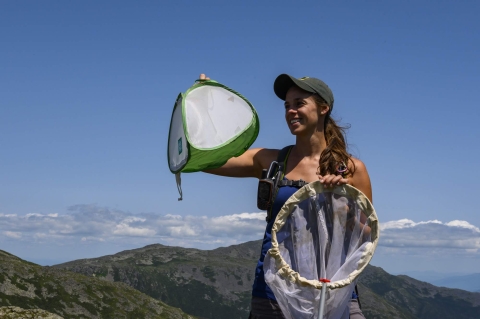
407	223
134	219
124	229
179	231
12	234
464	224
457	235
92	239
7	215
90	223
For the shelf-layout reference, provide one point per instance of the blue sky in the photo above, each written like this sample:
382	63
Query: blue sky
87	89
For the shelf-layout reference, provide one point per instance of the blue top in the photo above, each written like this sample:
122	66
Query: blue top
260	288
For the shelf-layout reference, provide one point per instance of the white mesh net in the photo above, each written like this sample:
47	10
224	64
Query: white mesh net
317	234
215	115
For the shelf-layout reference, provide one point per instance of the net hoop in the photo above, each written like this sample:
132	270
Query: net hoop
310	190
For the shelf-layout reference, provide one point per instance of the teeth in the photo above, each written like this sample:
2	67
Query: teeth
294	121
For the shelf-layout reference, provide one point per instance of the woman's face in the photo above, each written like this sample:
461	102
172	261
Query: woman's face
301	112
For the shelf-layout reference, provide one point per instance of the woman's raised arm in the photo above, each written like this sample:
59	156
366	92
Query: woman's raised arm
249	164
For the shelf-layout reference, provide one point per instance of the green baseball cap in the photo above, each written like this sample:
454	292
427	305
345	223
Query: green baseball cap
284	82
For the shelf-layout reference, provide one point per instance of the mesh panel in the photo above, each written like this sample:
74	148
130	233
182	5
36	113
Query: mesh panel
320	234
177	143
214	116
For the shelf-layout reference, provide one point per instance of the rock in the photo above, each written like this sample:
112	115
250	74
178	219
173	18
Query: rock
20	313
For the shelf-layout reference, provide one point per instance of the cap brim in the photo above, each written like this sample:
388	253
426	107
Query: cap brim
284	82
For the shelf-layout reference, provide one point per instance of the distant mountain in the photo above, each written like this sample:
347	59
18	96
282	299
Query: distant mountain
72	295
465	282
383	292
213	284
429	276
216	284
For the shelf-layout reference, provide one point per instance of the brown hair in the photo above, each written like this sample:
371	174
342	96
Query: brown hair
335	155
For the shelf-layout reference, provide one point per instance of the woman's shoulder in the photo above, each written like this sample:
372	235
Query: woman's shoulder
264	156
356	165
359	177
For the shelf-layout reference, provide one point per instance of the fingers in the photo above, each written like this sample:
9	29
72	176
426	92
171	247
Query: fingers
332	180
204	77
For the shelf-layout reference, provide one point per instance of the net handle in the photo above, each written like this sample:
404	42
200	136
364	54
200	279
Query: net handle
323	292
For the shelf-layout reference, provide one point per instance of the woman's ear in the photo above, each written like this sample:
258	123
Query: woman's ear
324	109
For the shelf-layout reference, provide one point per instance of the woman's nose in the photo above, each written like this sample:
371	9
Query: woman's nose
290	110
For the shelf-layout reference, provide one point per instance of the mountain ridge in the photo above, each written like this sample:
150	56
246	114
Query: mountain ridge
73	295
217	283
158	281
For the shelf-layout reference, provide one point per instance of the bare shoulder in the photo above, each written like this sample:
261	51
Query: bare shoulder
264	156
360	178
359	168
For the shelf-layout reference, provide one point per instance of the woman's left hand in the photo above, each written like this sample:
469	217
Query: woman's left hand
332	180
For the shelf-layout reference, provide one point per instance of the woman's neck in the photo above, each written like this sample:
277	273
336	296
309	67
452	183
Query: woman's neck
310	145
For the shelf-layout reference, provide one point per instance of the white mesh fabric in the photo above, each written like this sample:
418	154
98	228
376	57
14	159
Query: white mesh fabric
214	116
177	143
317	234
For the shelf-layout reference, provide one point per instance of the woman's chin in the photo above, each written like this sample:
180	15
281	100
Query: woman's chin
296	131
294	126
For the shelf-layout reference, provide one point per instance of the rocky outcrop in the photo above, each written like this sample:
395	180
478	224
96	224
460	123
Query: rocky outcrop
19	313
73	295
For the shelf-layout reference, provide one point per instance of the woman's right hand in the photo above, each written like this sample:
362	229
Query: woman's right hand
331	180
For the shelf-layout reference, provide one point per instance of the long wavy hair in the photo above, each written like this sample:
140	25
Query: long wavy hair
335	157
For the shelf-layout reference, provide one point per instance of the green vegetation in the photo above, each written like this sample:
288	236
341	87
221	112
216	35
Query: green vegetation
193	280
72	295
209	273
217	284
410	298
208	284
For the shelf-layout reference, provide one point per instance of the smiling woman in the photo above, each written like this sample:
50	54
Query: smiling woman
320	153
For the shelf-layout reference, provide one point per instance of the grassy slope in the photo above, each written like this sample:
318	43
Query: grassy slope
209	284
216	284
74	295
413	298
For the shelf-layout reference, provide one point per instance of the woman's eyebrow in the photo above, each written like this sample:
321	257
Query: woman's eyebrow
295	100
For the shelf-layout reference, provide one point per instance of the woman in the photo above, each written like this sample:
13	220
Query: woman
319	153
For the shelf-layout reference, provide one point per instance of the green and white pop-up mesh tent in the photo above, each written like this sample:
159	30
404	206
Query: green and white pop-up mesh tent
321	238
210	124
